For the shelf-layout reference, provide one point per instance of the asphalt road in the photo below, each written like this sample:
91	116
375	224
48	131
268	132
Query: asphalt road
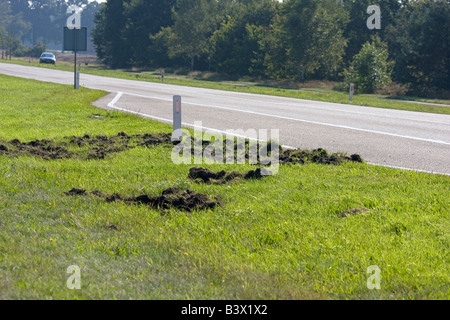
404	139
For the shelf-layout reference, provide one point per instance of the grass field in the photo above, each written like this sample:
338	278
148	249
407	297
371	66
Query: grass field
280	237
318	93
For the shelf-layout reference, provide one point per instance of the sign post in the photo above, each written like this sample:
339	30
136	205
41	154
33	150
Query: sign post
176	136
75	40
352	91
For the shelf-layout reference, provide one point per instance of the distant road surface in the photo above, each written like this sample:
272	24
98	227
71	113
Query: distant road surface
404	139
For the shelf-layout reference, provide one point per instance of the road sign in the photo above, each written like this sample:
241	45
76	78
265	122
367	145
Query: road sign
176	136
75	39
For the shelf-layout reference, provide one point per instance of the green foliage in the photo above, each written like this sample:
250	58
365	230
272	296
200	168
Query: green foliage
420	41
356	31
124	29
236	44
108	35
370	69
307	35
20	50
12	28
194	23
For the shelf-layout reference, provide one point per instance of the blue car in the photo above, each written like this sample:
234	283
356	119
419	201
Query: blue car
47	57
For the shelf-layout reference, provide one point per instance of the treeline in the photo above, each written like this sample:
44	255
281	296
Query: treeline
27	27
293	39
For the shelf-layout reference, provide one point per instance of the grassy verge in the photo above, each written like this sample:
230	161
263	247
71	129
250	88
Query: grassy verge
280	237
317	94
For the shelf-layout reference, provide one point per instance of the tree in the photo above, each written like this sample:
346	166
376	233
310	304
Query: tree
306	36
108	34
12	28
144	19
124	29
236	45
356	31
370	69
194	23
420	40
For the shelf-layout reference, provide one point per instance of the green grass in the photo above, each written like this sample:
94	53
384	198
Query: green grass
317	94
275	238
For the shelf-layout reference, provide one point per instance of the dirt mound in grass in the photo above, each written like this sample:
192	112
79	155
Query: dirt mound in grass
353	211
98	147
185	200
45	149
82	147
75	192
320	156
204	175
261	152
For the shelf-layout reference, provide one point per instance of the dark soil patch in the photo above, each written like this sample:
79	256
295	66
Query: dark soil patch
185	200
204	175
75	192
243	151
262	151
320	156
45	149
113	227
99	147
352	211
83	147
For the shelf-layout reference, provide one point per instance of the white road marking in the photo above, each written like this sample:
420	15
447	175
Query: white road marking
408	169
115	100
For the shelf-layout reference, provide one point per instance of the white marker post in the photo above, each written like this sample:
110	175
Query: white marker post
77	77
176	135
352	91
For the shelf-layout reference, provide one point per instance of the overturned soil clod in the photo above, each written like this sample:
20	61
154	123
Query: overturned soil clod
75	192
88	147
263	153
204	175
320	156
84	147
352	211
185	200
113	227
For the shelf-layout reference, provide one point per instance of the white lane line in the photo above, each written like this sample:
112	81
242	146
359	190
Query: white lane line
305	121
322	106
408	169
115	100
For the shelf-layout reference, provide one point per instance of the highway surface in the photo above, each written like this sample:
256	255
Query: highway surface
404	139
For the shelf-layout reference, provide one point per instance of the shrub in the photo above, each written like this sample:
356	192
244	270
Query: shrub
370	69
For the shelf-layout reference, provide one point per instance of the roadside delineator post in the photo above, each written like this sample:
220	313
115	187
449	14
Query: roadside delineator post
77	77
352	91
176	135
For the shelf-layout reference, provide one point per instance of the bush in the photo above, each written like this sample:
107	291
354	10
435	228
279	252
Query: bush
23	51
370	69
35	51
